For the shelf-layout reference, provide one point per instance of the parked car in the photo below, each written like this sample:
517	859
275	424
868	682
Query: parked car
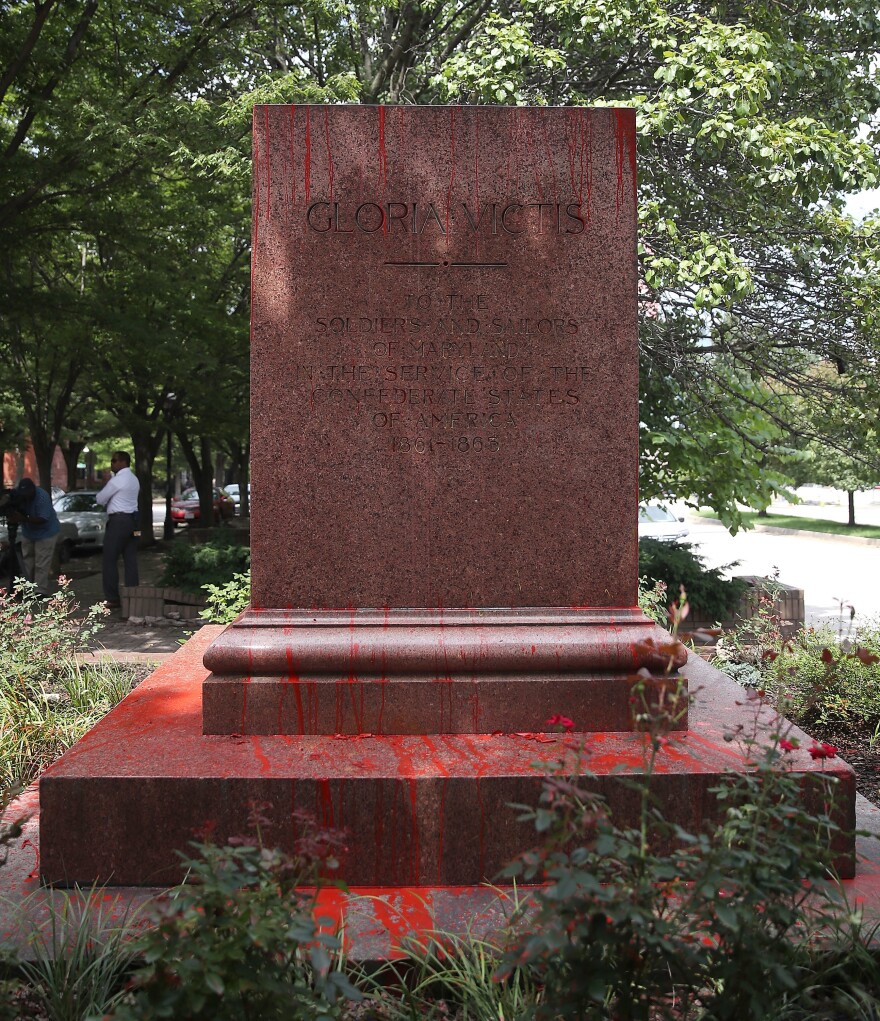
185	509
234	490
81	509
658	522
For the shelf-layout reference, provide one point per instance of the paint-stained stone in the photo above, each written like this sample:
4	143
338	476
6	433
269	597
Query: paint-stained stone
444	541
444	357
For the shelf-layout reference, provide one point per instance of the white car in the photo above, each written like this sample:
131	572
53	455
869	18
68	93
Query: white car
658	522
80	509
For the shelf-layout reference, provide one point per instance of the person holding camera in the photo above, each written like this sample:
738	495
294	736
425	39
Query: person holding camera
120	497
39	531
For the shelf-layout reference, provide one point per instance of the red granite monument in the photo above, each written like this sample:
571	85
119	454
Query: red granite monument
445	395
444	540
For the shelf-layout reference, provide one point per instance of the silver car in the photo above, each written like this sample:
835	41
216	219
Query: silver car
80	509
658	522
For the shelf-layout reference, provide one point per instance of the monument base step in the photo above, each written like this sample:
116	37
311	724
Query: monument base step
445	705
418	810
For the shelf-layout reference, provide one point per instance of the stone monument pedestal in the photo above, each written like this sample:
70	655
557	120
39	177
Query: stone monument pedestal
444	442
420	810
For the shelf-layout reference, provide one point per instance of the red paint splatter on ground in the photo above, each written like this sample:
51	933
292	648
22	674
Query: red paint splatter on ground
35	871
262	758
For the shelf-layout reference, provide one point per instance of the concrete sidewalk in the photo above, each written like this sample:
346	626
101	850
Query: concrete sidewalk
151	641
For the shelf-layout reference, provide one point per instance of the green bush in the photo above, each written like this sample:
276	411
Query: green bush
49	698
81	955
191	566
226	602
818	680
239	940
715	928
711	596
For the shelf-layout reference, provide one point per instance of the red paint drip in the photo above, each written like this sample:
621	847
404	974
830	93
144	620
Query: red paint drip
379	828
620	155
279	726
440	831
324	807
383	165
265	765
256	201
292	162
550	163
482	866
383	680
530	145
268	168
244	691
35	871
307	159
475	707
311	708
293	678
329	154
339	724
477	181
452	175
415	832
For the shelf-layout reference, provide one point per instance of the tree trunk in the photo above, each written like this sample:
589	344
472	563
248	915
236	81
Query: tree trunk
44	451
851	505
202	468
145	444
71	452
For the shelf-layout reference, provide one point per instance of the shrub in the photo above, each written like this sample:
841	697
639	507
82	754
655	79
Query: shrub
226	602
820	681
715	928
239	940
652	600
48	697
81	957
712	597
216	562
39	638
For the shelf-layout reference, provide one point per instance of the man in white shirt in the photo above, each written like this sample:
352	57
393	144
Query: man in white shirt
120	497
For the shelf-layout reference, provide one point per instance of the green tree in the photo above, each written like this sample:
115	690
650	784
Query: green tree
751	120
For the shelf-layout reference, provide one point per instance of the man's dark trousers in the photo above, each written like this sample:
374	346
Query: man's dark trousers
119	539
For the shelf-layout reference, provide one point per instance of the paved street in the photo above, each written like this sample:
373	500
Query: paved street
827	568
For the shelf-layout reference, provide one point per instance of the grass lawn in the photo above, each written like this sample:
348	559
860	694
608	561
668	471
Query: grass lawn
806	524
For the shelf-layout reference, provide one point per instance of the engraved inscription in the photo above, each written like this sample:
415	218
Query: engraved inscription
450	375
